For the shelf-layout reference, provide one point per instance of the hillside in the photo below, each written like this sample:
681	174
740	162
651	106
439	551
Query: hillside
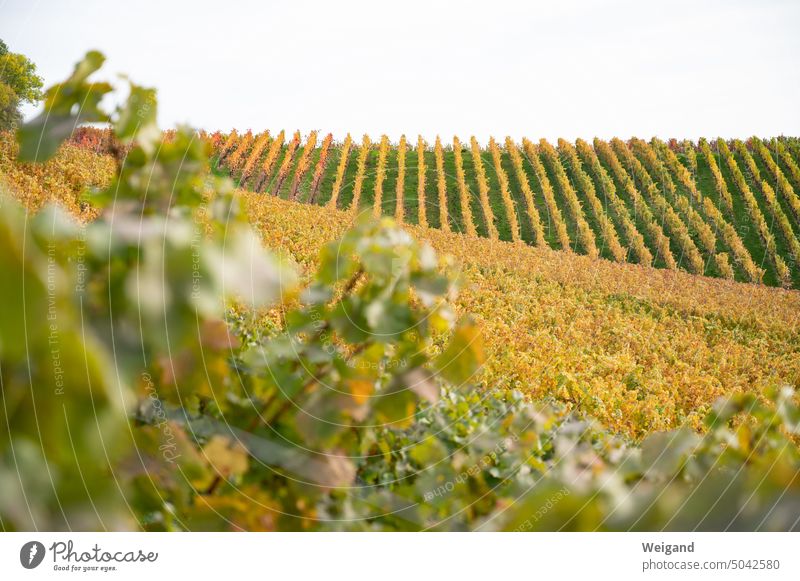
722	209
642	349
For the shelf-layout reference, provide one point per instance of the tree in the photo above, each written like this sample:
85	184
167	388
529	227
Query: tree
19	84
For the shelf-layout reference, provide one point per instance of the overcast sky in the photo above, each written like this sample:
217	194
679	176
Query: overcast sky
540	69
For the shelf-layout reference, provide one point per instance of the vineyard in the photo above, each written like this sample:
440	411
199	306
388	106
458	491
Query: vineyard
179	353
602	334
639	349
715	208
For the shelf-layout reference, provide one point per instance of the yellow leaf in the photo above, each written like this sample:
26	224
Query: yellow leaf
361	389
228	458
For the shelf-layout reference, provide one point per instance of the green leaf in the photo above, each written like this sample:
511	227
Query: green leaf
430	287
428	452
336	263
91	63
349	321
137	118
247	271
387	319
396	406
40	138
66	105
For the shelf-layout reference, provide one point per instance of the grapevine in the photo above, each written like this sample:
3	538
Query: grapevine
380	174
505	192
585	234
324	153
261	143
236	160
303	164
654	230
719	181
783	185
269	162
463	190
483	189
441	185
634	237
691	155
782	270
422	217
340	169
400	211
667	213
286	164
361	167
587	187
228	146
660	160
776	212
711	211
522	178
787	159
556	218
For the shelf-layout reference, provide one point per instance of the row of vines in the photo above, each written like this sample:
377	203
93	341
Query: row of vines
716	208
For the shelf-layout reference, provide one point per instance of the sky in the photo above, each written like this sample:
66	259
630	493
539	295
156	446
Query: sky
682	68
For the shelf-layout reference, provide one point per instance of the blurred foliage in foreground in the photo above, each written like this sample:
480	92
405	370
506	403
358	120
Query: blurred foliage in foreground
160	370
